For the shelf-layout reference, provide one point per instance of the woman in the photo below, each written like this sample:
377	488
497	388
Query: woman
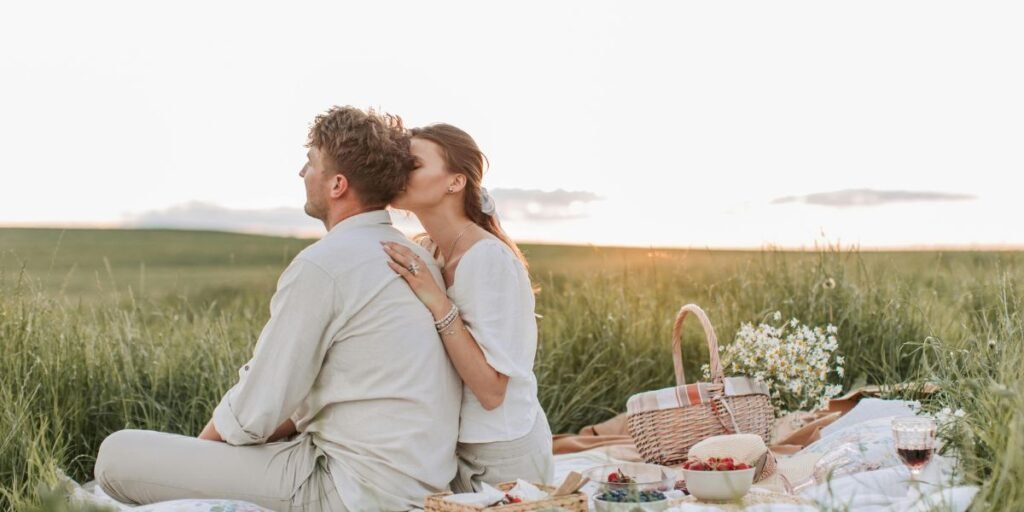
485	318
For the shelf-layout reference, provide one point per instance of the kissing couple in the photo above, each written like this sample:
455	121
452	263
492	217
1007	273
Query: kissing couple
389	369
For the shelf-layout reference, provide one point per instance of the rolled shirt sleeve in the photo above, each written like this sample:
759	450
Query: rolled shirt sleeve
496	296
287	358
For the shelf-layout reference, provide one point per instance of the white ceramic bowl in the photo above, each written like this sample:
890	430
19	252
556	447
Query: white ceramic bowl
719	485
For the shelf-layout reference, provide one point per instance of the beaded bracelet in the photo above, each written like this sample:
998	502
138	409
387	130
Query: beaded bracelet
441	328
448	319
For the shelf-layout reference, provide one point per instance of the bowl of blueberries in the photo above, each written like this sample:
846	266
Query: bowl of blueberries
630	487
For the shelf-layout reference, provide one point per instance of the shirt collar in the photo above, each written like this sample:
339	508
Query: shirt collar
369	218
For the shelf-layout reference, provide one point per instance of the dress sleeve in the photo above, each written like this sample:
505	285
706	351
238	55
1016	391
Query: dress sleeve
497	309
286	360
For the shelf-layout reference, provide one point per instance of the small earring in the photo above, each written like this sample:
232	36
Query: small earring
451	190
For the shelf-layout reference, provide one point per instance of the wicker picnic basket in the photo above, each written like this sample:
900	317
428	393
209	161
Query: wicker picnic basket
665	423
575	502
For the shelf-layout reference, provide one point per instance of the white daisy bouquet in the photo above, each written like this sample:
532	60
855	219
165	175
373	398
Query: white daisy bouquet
793	359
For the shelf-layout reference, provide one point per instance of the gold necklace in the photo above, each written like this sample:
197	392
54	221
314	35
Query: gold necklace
451	250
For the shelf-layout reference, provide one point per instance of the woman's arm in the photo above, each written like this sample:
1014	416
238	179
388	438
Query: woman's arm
486	383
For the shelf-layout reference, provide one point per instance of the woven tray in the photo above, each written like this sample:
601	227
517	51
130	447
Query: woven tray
575	502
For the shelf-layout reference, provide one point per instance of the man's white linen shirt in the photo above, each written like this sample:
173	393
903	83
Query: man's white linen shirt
352	357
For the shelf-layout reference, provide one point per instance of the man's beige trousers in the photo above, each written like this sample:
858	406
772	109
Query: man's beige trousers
141	466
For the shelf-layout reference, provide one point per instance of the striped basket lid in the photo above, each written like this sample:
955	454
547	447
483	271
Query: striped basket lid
692	394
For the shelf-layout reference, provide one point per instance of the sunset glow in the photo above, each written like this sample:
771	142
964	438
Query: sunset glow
699	125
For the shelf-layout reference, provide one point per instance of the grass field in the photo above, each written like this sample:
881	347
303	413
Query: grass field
103	330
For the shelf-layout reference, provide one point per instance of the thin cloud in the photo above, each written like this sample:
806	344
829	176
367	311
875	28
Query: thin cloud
512	204
199	215
851	198
542	206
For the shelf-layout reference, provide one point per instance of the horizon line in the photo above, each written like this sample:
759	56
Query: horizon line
815	247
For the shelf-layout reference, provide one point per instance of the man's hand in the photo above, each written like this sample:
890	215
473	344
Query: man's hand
285	430
210	433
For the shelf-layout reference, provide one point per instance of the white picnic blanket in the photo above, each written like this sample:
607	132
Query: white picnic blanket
859	456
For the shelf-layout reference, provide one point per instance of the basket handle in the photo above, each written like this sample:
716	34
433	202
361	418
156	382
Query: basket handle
709	333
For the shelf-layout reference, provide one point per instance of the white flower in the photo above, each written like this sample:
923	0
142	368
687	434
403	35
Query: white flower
947	418
793	360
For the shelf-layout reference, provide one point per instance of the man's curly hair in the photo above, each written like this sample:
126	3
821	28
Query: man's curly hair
370	149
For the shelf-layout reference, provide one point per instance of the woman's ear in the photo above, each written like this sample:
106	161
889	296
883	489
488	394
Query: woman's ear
339	185
458	183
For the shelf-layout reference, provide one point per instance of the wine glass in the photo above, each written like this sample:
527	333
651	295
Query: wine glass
915	442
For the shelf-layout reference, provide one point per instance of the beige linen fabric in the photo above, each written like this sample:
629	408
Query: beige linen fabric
352	357
140	466
528	457
495	298
492	290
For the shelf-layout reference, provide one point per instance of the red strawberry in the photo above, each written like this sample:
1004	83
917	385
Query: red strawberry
742	465
699	466
613	477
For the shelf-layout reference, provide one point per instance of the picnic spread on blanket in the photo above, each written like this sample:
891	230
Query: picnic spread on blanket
718	445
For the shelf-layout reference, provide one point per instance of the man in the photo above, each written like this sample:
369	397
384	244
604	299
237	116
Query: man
349	360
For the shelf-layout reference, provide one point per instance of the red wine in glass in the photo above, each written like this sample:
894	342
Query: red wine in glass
915	458
915	442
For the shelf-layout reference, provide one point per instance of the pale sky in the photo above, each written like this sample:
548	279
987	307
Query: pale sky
625	123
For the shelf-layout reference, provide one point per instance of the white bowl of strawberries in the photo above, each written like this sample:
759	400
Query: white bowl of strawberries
717	479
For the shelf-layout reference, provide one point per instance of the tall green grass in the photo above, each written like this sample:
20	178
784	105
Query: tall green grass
77	365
